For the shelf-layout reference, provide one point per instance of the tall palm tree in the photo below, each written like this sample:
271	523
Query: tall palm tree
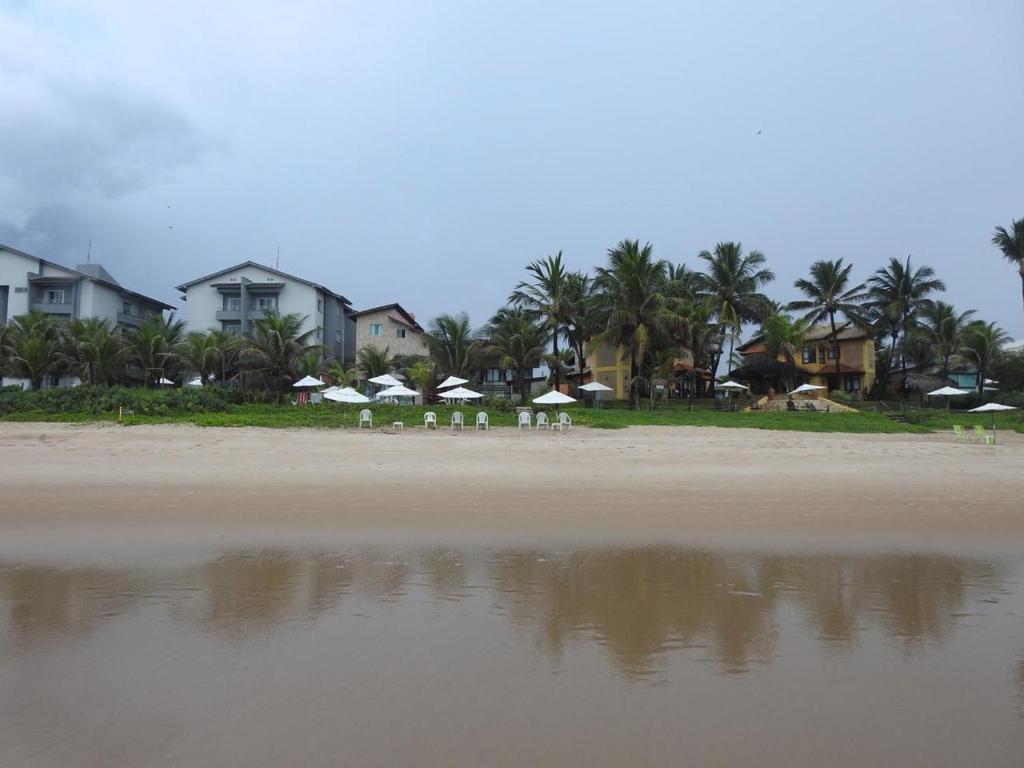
421	373
198	351
944	327
226	348
732	282
375	361
152	344
829	293
633	302
95	351
517	337
693	333
277	345
548	296
34	348
583	321
898	294
784	337
1011	243
982	346
6	339
453	345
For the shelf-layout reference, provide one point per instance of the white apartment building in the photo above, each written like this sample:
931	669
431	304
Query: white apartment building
231	299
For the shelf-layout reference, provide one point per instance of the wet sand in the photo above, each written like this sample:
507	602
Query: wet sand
640	481
176	596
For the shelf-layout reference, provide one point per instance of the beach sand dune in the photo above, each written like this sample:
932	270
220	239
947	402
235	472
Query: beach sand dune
670	479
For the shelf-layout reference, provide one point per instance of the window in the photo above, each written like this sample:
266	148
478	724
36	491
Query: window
851	383
266	303
319	305
232	303
126	308
400	333
493	375
833	353
234	328
55	296
376	329
809	355
20	289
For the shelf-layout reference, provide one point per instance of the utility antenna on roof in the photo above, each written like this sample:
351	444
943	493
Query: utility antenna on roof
88	254
277	261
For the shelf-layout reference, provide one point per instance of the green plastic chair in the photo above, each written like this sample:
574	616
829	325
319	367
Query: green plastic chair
959	432
982	436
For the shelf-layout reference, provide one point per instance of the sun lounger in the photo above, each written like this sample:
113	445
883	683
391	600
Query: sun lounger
981	436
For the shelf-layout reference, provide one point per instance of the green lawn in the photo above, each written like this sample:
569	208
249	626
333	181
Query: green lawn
332	415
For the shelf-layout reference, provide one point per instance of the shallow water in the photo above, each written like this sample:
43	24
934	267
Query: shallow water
263	654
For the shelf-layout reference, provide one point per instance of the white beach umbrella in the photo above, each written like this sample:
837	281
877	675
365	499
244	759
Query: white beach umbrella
993	408
806	388
333	388
460	393
386	380
164	382
731	386
946	392
308	381
397	390
554	397
452	381
597	388
346	395
196	382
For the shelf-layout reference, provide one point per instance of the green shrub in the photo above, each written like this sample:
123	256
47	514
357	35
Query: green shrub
99	400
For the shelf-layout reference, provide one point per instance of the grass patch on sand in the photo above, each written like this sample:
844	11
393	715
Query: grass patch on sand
327	416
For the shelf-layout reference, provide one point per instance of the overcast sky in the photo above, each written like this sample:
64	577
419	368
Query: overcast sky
424	152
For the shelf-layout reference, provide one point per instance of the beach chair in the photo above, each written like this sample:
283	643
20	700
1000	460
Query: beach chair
430	420
481	421
365	417
542	420
564	422
959	433
457	421
982	436
524	420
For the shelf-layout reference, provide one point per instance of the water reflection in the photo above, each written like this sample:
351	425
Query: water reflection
640	604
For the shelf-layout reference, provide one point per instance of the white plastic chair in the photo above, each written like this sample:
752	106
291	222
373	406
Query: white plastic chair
542	421
457	421
315	398
482	422
365	417
564	422
430	420
525	419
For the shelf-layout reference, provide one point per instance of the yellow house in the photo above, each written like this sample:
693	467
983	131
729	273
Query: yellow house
848	366
611	367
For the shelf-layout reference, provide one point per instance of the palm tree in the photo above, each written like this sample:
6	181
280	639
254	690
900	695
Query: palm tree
199	352
453	345
1011	243
693	334
226	348
375	361
548	296
898	293
152	344
633	303
6	339
518	339
342	375
732	283
421	373
982	346
784	337
33	348
583	322
277	345
829	293
944	329
95	351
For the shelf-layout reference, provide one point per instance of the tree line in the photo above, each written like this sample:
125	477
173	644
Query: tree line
654	311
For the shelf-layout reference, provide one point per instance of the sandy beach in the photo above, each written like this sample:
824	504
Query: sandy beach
666	479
